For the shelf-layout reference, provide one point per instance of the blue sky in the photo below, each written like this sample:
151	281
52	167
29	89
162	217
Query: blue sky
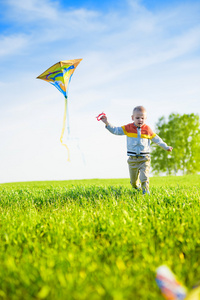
134	53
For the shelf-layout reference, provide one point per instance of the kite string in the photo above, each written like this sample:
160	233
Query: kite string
63	129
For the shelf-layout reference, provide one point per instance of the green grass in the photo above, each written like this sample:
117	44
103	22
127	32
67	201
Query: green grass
155	182
97	239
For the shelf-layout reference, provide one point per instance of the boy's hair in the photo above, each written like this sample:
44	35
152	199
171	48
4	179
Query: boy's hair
139	108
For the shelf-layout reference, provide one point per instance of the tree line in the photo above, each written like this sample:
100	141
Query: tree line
182	132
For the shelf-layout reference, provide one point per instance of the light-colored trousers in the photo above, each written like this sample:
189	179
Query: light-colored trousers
139	170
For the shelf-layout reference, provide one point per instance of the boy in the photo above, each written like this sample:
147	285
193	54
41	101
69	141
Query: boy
139	136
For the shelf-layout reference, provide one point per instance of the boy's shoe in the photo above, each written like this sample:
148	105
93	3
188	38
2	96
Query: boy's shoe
138	188
136	191
145	192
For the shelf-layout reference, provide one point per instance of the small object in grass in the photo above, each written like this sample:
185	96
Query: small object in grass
170	287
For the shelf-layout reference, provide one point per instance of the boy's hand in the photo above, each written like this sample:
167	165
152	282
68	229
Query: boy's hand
104	120
170	149
102	117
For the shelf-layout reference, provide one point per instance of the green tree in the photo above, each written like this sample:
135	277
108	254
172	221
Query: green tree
182	132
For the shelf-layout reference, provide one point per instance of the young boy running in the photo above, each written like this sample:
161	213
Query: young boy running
139	136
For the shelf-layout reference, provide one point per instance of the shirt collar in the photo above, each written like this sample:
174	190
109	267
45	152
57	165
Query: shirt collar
137	126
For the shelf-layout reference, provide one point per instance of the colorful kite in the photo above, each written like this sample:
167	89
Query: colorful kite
60	76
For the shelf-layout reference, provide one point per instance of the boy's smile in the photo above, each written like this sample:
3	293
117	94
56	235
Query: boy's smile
139	118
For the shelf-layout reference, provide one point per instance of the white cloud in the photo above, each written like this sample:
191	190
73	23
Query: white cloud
33	9
12	44
48	12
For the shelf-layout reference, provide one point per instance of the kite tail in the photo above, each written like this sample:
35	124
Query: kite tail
63	129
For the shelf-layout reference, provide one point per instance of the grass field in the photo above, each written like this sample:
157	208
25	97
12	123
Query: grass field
97	239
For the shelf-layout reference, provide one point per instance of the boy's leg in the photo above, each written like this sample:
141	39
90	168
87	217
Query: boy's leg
134	172
144	173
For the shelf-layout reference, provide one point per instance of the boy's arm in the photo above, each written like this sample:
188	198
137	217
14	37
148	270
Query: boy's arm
112	129
115	130
157	140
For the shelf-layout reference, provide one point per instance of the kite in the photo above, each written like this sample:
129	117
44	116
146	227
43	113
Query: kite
60	76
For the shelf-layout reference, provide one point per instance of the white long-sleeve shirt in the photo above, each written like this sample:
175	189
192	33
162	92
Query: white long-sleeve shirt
138	138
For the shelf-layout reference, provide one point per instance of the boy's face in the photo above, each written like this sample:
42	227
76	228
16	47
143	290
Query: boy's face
139	118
